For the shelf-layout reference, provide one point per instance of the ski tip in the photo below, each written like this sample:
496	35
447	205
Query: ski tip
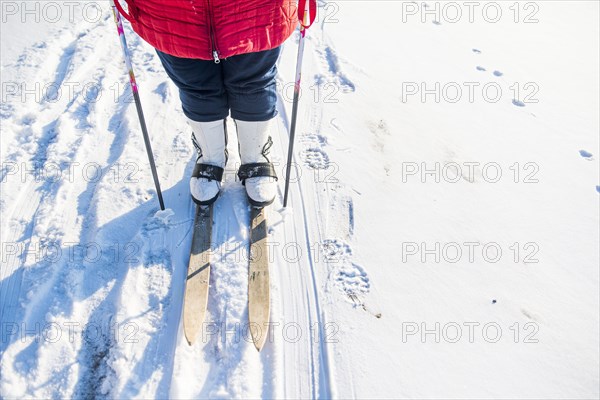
190	336
259	340
259	346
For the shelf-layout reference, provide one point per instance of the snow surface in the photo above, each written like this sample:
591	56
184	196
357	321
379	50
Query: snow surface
387	281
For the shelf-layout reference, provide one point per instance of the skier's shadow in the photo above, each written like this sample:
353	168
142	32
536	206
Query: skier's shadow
159	350
91	274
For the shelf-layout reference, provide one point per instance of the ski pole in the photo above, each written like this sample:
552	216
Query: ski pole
307	12
117	10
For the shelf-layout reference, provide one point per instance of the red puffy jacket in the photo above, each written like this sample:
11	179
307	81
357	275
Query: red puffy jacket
212	29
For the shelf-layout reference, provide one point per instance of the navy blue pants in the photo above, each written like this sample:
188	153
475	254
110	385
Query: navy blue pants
244	84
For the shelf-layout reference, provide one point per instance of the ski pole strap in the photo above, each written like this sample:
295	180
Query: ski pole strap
122	11
256	169
307	12
210	172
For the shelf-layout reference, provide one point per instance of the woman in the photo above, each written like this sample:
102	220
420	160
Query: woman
222	56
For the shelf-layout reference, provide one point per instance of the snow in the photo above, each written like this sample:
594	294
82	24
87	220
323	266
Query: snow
441	240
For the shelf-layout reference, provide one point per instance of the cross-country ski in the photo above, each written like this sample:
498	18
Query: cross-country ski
198	274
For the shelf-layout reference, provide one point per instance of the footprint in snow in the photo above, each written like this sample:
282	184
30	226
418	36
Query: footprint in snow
332	61
314	139
348	277
477	51
480	68
160	221
435	22
315	158
28	119
352	279
518	103
160	256
335	249
586	154
153	231
6	110
498	73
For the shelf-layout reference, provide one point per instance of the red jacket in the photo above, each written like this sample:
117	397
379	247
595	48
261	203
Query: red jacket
210	29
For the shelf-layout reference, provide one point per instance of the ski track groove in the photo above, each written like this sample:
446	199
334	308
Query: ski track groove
27	204
320	374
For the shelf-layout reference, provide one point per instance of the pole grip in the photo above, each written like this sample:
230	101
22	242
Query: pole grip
122	11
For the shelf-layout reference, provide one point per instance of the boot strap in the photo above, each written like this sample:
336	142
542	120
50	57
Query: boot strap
256	169
210	172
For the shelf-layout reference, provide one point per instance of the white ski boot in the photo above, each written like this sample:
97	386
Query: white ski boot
210	141
256	172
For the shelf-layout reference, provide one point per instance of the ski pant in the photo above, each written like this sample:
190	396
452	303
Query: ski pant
244	84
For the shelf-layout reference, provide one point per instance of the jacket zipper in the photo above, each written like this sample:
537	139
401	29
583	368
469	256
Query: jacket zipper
211	29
